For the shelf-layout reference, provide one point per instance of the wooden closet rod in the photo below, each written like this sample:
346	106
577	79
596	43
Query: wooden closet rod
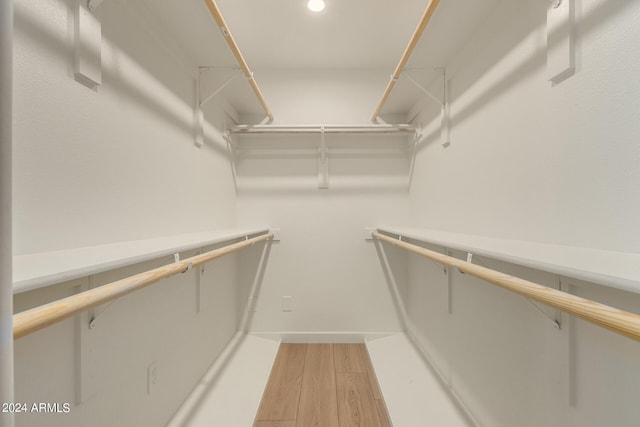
426	16
226	32
40	317
622	322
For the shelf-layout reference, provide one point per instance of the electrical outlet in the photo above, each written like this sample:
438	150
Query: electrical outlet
287	303
152	376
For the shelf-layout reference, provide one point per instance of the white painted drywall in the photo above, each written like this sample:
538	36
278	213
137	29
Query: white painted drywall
117	163
109	165
322	96
508	363
322	260
106	367
532	161
6	142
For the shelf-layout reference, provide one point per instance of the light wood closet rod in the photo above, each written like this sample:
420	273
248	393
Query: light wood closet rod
40	317
431	8
622	322
226	32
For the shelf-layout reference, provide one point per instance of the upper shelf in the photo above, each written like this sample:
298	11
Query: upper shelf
48	268
614	269
283	129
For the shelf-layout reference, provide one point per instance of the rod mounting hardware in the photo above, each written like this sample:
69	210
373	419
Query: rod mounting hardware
94	319
189	266
422	24
323	162
619	321
202	99
235	50
555	322
443	102
439	100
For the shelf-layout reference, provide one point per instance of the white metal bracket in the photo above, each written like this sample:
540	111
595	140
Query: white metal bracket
277	234
199	275
424	90
228	137
202	99
95	317
556	322
323	162
87	61
442	101
447	272
560	43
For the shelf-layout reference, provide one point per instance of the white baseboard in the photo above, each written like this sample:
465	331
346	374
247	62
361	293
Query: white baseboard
321	337
411	334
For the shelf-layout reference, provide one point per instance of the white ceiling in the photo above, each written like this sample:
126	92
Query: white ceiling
353	34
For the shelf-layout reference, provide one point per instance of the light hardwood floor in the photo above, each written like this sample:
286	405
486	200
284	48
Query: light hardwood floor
322	385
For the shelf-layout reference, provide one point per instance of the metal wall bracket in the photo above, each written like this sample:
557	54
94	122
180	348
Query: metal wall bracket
323	162
202	99
560	40
87	61
447	272
442	101
556	323
95	317
228	137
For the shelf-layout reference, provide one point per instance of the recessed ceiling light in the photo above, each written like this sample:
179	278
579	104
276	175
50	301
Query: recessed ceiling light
316	5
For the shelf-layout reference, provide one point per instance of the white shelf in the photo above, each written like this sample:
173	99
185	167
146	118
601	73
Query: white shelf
48	268
412	392
229	394
613	269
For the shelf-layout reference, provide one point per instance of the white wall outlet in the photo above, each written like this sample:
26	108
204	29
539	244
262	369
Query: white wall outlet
152	377
287	303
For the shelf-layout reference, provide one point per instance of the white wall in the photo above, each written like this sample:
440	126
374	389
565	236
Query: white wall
322	260
102	372
506	360
533	161
116	163
537	162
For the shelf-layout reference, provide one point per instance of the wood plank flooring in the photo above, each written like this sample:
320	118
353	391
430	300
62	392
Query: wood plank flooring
322	385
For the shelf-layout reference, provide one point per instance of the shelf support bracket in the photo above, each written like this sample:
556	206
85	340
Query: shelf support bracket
201	99
87	55
323	162
422	88
443	102
556	323
95	317
560	40
448	273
